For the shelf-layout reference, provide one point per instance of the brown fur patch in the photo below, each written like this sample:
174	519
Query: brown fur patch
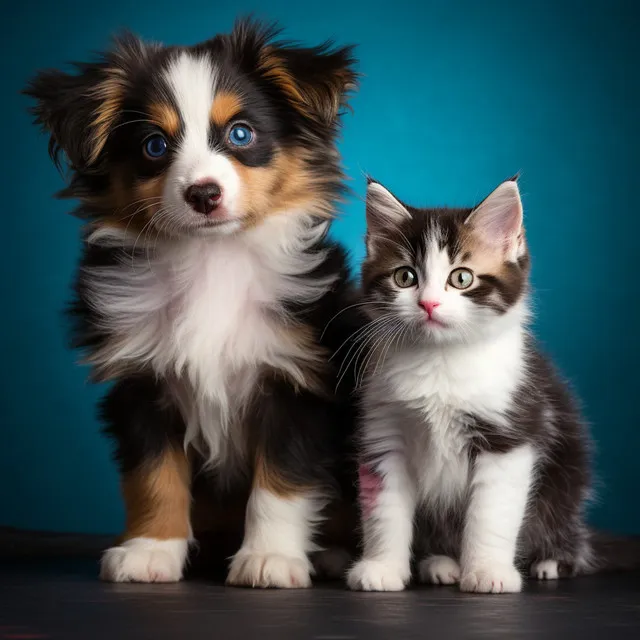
166	117
478	255
129	206
110	93
158	498
286	184
315	100
484	258
498	282
225	106
274	68
266	476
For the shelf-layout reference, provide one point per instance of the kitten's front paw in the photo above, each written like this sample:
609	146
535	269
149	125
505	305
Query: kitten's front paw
377	575
496	578
144	560
545	570
439	570
269	570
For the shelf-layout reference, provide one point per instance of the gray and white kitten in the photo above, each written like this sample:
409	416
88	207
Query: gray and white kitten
467	428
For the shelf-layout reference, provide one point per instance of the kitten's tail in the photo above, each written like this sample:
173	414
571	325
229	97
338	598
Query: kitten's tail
614	553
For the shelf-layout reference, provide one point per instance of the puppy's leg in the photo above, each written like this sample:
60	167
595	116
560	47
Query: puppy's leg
278	535
293	455
154	545
155	485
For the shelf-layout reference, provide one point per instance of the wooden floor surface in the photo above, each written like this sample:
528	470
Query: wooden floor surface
50	591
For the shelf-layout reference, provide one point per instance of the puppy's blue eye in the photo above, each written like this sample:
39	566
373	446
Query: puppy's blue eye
155	147
240	135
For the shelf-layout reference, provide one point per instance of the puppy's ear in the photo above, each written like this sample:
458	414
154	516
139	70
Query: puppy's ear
79	110
315	80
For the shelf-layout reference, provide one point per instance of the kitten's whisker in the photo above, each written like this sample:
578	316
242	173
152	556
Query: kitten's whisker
356	335
353	337
352	306
387	334
371	335
383	354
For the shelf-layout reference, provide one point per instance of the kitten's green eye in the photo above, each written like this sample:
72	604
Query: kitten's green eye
405	277
461	278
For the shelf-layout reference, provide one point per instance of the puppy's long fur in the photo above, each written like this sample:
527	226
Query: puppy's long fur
207	177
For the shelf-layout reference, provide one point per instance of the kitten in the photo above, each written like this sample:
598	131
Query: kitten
465	423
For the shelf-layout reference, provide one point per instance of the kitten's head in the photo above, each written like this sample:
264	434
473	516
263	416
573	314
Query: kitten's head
445	275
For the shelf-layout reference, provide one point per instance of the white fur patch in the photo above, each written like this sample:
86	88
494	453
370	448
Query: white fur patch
145	560
377	575
545	570
199	311
388	531
499	494
492	578
277	541
439	570
444	383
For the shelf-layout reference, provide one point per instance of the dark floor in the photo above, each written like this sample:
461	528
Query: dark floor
49	589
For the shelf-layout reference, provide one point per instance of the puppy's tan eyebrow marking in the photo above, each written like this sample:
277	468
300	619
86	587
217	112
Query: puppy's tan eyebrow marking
166	117
225	106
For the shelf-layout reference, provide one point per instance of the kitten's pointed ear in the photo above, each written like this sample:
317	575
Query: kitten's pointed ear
384	212
498	218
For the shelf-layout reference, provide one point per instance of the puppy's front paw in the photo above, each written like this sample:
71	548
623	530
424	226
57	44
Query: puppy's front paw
377	575
250	569
439	570
545	570
491	578
144	560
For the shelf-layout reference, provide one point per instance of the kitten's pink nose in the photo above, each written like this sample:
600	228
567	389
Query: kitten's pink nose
429	306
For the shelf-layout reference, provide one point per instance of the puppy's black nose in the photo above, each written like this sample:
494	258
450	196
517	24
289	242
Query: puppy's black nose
204	197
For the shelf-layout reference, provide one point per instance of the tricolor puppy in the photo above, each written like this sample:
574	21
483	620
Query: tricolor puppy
207	177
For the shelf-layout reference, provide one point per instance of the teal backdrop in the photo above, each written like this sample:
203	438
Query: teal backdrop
456	96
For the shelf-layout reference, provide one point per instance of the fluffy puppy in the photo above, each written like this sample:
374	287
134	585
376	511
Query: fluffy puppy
209	293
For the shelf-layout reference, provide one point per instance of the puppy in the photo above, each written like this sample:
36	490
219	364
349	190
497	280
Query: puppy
209	293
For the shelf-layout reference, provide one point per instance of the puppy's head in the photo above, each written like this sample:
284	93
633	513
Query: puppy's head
209	139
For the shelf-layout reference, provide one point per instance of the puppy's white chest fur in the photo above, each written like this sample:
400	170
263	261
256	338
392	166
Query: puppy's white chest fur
444	385
202	313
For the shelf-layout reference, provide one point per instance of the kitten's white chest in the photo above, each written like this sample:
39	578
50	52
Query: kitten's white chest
444	386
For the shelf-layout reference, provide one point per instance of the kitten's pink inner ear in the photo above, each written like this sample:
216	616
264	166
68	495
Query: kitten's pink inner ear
498	219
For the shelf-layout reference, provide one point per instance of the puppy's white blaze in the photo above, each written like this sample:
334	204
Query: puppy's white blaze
192	82
278	539
145	560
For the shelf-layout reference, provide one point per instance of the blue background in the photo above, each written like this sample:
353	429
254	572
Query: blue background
456	97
